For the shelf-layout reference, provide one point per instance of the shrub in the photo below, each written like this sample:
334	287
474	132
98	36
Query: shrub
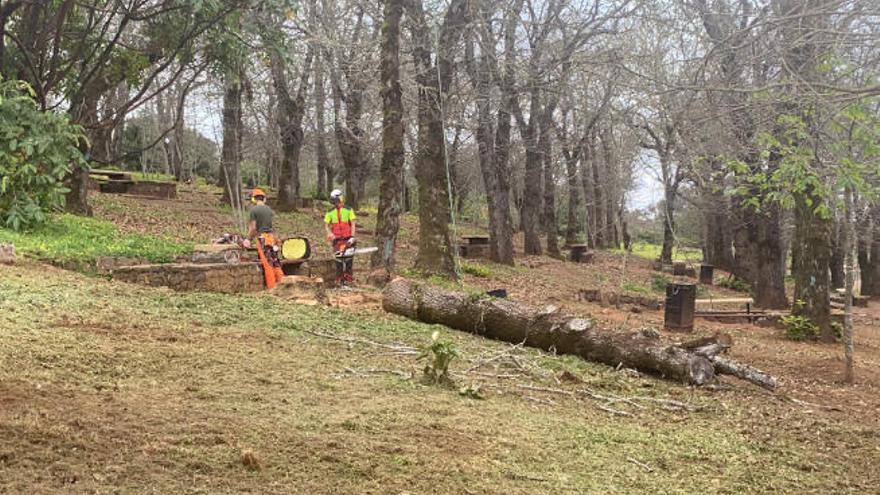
439	354
38	150
800	328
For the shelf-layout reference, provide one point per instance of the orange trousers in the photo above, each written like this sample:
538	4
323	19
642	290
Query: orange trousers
269	259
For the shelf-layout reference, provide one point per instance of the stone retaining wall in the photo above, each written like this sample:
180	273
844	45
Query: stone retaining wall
214	277
167	190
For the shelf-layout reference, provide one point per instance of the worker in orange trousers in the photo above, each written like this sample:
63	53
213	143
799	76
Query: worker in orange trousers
260	230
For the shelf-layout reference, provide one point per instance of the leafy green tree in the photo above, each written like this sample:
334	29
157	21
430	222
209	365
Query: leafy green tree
39	149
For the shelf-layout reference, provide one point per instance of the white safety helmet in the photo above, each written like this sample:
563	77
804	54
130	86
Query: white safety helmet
335	195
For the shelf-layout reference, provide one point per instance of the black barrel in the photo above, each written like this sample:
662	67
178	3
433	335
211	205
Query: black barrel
680	302
707	273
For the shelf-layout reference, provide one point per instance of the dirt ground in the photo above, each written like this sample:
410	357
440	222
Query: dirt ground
808	371
115	388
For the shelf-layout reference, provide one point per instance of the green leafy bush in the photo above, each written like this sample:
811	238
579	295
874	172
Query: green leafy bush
439	354
82	239
38	149
800	328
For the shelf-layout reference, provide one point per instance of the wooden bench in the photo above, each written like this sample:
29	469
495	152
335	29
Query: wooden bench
720	314
475	246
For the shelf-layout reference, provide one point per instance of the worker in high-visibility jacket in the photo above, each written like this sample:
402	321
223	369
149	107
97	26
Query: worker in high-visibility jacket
340	226
260	230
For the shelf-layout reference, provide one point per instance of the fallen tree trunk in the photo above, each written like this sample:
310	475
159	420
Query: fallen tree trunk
546	329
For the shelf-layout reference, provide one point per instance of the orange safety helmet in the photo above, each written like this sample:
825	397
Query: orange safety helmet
257	192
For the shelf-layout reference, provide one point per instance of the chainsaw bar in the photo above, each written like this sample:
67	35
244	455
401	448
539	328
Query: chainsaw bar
352	251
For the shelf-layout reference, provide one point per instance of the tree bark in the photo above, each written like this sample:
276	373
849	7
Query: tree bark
290	117
838	255
848	240
533	190
546	329
760	256
810	265
869	255
324	170
669	199
612	236
573	228
347	123
545	145
391	189
230	155
600	231
435	242
84	113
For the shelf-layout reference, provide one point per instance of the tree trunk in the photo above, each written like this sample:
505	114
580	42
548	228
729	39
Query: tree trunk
589	195
85	113
533	190
612	236
545	145
848	240
768	261
670	196
325	179
512	322
573	225
598	212
838	254
290	117
810	265
390	191
868	252
230	155
718	244
436	249
177	135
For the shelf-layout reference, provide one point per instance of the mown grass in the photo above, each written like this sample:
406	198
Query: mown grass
143	387
652	252
70	238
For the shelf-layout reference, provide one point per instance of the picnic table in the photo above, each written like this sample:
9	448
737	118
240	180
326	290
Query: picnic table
475	246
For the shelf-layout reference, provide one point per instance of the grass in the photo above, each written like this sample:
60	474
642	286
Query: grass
476	269
116	387
70	238
652	252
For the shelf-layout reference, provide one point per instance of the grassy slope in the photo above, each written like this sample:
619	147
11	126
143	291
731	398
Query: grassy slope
69	238
106	385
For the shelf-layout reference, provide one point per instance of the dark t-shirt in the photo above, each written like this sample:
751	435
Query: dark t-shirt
262	214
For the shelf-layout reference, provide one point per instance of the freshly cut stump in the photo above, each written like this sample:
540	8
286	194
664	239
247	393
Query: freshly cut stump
302	290
546	329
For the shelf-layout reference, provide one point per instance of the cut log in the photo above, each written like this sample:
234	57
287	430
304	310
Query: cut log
547	329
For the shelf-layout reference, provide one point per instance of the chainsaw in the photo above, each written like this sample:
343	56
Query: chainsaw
351	249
